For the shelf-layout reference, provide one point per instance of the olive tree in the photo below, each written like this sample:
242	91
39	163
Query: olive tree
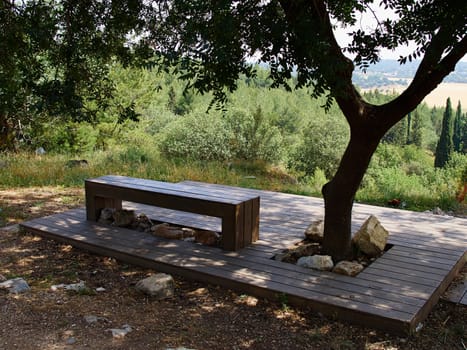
214	42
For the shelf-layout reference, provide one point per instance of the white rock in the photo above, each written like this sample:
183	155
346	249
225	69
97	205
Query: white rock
119	333
372	237
316	262
16	285
77	287
160	286
315	232
348	268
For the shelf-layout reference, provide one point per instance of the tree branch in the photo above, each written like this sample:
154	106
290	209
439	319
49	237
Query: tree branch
430	73
308	18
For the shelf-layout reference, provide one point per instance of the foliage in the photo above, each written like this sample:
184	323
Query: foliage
322	145
254	137
199	136
445	147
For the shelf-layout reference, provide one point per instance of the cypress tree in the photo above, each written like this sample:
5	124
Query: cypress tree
458	129
417	130
445	146
464	133
409	128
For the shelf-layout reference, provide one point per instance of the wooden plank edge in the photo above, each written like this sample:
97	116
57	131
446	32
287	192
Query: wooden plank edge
435	296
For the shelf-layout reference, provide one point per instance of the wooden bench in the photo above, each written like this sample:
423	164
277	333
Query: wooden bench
238	210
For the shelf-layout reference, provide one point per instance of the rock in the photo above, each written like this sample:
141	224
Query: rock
210	238
315	232
40	151
119	333
316	262
348	268
107	216
123	217
2	278
293	254
70	341
90	319
100	289
76	287
143	223
15	285
171	232
159	286
438	211
372	237
11	229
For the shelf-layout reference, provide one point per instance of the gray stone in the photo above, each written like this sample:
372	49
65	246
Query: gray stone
76	287
372	237
315	232
2	278
40	151
316	262
71	341
119	333
106	216
348	268
159	286
11	229
94	319
15	285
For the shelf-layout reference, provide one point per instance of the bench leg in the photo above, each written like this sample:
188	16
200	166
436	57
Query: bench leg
233	228
251	232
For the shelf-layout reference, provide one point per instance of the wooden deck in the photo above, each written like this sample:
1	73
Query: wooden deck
395	293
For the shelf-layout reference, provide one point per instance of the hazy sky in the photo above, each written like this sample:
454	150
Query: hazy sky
368	21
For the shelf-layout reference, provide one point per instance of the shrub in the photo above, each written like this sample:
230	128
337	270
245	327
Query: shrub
322	146
254	137
198	136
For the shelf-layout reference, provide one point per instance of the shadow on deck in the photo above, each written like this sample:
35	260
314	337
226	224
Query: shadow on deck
395	293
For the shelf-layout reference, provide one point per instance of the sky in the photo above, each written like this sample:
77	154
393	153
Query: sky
368	21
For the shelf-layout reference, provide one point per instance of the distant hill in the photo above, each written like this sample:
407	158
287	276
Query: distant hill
390	72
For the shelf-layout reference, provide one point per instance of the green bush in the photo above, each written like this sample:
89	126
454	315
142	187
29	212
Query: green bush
198	136
322	146
254	137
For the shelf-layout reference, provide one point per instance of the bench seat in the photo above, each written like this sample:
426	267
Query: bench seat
238	210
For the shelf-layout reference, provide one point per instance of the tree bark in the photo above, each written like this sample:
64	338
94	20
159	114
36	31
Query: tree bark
339	194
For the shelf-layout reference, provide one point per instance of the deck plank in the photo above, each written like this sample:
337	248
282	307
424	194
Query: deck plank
394	293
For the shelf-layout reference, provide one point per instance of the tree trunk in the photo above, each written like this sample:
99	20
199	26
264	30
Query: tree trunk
340	192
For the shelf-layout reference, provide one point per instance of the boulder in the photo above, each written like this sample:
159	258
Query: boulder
171	232
159	286
372	237
107	216
209	238
316	262
293	254
123	217
348	268
15	286
142	223
315	232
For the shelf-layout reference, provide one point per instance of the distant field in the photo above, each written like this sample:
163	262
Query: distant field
456	91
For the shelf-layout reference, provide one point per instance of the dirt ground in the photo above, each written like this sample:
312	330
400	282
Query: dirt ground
199	316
